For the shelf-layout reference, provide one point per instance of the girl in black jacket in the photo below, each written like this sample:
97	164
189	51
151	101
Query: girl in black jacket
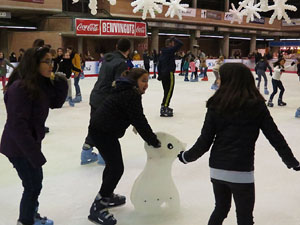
123	107
236	113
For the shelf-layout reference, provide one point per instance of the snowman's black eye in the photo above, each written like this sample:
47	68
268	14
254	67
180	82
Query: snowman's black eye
170	146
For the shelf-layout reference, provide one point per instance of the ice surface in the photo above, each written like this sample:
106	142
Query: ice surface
69	188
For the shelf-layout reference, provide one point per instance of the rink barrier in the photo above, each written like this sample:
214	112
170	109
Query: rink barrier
91	68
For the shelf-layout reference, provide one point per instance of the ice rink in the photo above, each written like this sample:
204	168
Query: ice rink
69	188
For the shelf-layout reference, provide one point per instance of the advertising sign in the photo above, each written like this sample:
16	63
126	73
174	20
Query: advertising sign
211	15
87	27
104	27
6	15
189	13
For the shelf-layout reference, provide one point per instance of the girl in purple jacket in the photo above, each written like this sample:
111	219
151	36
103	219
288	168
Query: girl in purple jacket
31	90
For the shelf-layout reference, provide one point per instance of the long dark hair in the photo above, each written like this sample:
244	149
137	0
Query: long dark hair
237	88
277	63
28	71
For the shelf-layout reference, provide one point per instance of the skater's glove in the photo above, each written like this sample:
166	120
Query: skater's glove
293	63
271	74
157	144
282	70
297	168
181	157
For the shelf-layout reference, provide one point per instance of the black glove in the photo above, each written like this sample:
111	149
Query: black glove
180	157
271	74
293	63
282	70
157	144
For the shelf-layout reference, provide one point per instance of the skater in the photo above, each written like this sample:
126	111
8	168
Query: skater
235	115
30	92
109	123
3	70
185	68
113	66
166	71
203	69
276	82
216	69
76	70
193	70
261	68
65	66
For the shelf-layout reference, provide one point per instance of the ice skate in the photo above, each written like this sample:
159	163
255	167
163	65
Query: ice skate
204	79
214	87
297	114
266	91
88	156
270	104
77	99
281	103
99	213
166	112
71	103
116	200
38	220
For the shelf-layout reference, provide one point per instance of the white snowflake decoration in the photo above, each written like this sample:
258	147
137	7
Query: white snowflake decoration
147	5
93	5
252	10
175	8
248	8
237	15
280	8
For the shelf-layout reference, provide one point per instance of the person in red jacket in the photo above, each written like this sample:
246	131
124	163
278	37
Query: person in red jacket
235	115
31	90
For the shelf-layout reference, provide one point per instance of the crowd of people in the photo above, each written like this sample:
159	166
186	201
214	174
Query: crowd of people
235	114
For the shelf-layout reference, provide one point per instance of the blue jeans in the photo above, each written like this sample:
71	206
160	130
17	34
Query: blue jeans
76	84
277	84
244	198
32	182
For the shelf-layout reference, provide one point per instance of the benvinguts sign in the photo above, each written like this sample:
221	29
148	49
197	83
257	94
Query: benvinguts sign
97	27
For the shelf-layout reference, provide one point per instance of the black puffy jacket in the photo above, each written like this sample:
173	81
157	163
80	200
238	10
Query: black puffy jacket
123	107
234	136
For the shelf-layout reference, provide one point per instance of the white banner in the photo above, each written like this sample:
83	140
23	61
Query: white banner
190	12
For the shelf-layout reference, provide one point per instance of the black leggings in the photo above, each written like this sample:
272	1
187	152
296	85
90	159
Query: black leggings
244	197
277	84
110	149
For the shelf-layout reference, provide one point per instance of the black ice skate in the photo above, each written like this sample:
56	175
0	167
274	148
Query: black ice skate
116	200
270	104
99	213
281	103
166	112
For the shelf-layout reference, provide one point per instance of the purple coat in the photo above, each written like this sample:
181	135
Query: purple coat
25	125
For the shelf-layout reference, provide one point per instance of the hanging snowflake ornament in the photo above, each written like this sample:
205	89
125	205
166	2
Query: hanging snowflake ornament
280	8
147	6
175	8
237	14
264	5
252	10
93	6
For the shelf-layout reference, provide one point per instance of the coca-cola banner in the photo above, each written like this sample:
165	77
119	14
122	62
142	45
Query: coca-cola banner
106	27
87	27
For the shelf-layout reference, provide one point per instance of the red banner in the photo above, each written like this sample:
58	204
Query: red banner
87	27
140	29
110	28
32	1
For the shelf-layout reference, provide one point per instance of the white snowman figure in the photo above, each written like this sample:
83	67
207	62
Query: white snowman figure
154	190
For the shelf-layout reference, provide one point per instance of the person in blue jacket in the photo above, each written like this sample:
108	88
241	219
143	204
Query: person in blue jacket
166	71
235	115
31	90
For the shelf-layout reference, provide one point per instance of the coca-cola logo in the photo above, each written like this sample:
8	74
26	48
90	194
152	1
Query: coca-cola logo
140	29
90	27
